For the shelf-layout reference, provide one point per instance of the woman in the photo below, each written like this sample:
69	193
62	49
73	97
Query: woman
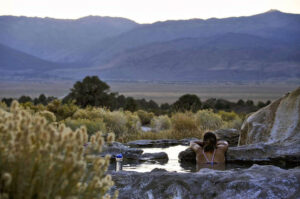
209	152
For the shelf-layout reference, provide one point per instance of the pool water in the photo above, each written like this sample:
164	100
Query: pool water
172	165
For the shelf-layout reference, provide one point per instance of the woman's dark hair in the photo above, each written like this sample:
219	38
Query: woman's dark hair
209	141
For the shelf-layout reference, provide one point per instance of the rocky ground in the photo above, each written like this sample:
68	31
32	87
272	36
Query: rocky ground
255	182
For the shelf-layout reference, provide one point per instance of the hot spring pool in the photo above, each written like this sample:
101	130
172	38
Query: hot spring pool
172	165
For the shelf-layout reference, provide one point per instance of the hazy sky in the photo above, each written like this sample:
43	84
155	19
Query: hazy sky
145	11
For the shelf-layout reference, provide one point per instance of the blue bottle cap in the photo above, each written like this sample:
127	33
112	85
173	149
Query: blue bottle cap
119	155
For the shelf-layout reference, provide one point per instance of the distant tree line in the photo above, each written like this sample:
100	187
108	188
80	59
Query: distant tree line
91	91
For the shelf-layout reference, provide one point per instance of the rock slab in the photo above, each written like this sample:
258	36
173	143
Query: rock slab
230	135
278	122
256	182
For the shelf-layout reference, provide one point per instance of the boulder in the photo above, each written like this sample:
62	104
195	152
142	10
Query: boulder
278	122
254	182
230	135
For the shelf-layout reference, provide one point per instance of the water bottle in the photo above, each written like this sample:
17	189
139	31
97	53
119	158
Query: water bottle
119	159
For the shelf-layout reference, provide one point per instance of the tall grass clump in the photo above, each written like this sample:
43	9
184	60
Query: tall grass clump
161	123
208	120
40	160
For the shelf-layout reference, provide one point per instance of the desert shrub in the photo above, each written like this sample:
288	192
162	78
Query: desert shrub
92	126
208	120
116	122
235	124
184	125
228	116
32	107
50	117
62	111
145	117
90	113
39	160
231	119
133	122
160	123
3	105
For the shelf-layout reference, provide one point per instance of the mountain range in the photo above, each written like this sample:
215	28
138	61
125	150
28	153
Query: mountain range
263	47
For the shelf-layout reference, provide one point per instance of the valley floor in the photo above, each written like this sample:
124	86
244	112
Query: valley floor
159	92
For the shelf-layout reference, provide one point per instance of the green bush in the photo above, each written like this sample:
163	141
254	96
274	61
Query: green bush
160	123
208	120
235	124
228	116
145	117
50	117
90	113
133	122
39	160
92	126
62	111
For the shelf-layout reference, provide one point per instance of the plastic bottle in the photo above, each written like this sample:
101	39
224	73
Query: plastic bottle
119	159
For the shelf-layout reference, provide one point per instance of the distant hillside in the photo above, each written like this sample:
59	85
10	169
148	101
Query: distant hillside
230	57
54	39
270	25
17	65
263	47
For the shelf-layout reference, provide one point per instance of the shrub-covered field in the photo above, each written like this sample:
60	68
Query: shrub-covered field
126	125
40	158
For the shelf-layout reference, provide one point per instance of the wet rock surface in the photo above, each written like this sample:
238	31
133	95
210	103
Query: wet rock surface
117	148
230	135
154	156
255	182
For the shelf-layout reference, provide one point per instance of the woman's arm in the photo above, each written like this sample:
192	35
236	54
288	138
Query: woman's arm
196	145
222	144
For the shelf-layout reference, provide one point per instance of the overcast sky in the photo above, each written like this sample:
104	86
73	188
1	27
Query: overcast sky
145	11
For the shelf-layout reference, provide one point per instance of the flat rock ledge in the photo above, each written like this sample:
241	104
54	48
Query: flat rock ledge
254	182
159	143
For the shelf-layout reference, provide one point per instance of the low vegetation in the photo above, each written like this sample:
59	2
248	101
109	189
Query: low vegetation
40	159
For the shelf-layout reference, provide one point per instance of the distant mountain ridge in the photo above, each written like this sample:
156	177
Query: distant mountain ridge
53	39
262	47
